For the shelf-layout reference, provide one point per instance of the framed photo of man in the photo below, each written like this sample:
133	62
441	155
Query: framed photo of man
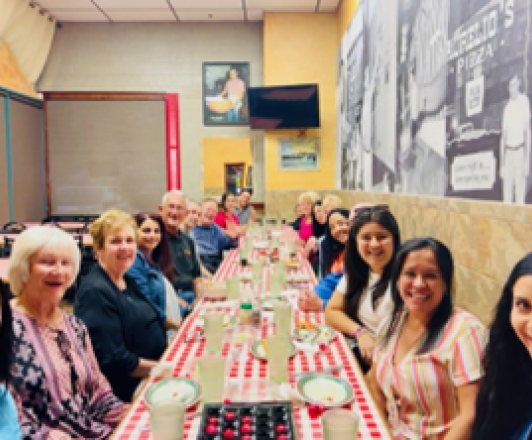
225	93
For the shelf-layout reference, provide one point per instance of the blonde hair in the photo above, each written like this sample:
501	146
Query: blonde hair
331	201
34	240
308	196
109	222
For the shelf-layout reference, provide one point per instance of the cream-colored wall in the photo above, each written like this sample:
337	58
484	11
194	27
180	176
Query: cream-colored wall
157	57
299	49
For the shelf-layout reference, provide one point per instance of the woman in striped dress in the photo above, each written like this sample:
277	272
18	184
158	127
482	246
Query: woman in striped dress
427	364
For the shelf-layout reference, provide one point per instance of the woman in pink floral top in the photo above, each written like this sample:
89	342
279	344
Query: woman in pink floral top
56	382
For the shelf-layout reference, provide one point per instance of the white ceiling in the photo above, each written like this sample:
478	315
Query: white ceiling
176	10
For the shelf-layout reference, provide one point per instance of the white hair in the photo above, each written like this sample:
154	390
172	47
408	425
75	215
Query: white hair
174	192
31	241
192	202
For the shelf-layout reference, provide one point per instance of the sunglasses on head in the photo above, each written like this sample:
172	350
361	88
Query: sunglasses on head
370	209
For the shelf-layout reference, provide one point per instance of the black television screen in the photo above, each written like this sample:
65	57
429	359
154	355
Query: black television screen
280	107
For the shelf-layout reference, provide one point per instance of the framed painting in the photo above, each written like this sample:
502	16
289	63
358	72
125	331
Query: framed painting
225	87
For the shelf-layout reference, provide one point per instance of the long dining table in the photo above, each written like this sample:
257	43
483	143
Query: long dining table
246	369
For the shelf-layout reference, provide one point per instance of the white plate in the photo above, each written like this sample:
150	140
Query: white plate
325	335
324	389
174	388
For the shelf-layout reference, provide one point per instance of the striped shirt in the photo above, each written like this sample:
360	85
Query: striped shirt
421	391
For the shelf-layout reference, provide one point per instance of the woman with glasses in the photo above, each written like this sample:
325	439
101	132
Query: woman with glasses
55	380
362	300
153	270
503	409
427	365
331	262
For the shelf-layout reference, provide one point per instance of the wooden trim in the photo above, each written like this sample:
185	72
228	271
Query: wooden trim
103	96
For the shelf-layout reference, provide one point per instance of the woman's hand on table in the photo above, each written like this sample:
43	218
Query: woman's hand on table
366	344
309	301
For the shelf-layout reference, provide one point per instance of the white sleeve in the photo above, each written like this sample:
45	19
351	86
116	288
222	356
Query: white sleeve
342	285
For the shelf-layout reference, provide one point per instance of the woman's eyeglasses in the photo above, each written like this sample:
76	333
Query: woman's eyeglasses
370	209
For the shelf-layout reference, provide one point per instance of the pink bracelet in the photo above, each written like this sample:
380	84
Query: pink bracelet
358	332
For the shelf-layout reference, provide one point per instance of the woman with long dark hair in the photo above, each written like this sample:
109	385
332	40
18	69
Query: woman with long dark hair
362	300
503	405
427	367
331	262
153	265
9	426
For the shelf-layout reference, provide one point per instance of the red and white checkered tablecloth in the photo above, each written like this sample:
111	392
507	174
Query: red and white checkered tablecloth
244	367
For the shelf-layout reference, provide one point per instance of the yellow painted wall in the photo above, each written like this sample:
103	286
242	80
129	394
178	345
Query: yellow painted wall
11	76
346	11
301	48
216	152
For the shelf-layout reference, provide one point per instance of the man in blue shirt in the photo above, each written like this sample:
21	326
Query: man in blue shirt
210	238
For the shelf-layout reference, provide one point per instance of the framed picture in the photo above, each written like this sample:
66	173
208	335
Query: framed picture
225	93
302	154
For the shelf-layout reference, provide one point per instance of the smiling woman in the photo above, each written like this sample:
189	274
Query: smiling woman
427	366
362	299
53	345
127	331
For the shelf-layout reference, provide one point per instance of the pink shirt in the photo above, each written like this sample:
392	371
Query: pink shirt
305	229
222	219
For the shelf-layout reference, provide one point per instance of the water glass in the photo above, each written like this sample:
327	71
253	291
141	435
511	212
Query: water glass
339	424
167	419
256	272
276	285
214	331
282	316
211	371
243	254
278	349
292	248
233	288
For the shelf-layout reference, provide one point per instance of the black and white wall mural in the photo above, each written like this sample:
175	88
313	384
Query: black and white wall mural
434	99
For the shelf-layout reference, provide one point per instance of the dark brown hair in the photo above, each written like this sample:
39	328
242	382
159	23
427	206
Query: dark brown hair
161	254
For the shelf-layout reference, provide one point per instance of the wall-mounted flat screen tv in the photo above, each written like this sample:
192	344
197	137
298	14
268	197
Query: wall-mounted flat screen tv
284	107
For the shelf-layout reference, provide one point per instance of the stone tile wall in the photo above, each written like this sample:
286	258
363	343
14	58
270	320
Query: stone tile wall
486	238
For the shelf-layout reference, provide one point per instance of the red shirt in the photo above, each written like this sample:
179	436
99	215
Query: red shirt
223	218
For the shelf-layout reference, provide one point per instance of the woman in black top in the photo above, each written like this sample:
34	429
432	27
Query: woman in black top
127	333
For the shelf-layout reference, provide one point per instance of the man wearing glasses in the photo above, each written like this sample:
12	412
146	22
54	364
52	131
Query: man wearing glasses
186	264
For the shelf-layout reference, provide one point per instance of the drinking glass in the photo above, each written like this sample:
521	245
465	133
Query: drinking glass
256	273
282	316
214	331
233	288
243	255
276	283
339	424
211	371
292	248
167	419
278	350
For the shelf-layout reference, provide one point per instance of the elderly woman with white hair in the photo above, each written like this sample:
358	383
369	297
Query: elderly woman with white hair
57	385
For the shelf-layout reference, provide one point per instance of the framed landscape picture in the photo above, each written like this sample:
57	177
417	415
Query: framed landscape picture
299	154
225	93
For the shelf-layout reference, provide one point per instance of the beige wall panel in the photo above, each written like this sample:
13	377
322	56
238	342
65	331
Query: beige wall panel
106	154
158	57
28	166
4	200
